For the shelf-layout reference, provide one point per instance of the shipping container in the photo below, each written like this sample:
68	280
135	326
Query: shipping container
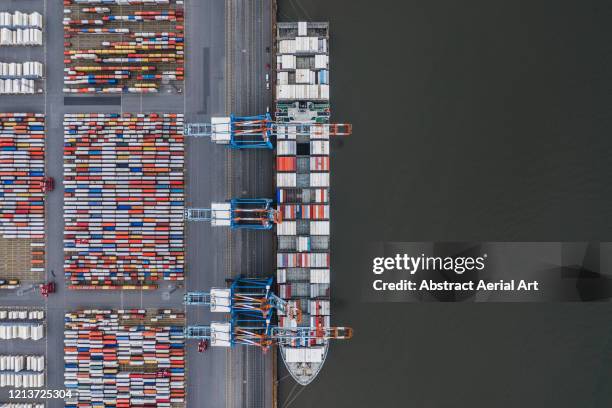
22	171
124	200
116	356
129	34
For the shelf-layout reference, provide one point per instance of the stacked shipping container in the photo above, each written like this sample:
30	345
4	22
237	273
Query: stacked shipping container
23	324
303	237
21	314
302	64
20	371
22	170
20	20
302	173
29	69
20	28
134	46
22	331
20	77
125	358
124	200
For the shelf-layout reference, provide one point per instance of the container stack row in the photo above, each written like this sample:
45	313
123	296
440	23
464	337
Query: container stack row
21	315
22	380
21	405
22	363
21	77
21	86
22	171
132	46
9	283
124	200
125	358
22	331
19	19
18	28
302	64
23	324
21	36
15	70
21	371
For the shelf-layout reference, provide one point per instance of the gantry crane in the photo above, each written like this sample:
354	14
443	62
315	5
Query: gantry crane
239	132
258	132
251	305
249	213
245	295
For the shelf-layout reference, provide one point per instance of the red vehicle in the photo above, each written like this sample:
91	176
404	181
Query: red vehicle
48	184
47	288
202	346
165	373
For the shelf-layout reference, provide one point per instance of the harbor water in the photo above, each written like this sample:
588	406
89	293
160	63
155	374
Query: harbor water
473	121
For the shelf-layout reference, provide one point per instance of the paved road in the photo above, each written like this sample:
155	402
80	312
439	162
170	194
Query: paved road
251	28
219	378
21	104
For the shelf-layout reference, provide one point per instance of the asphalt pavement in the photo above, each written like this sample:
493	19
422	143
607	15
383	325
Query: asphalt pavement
249	28
225	69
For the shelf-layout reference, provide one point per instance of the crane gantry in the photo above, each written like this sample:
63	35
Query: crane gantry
252	304
259	131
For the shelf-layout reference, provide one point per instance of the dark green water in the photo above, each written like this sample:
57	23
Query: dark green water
473	121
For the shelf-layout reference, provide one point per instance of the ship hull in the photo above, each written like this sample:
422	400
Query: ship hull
303	372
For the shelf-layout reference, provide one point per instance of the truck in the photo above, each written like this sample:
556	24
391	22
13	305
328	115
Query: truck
47	288
47	184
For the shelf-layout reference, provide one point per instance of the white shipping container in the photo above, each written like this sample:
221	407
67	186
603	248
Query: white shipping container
282	91
281	275
287	46
324	92
282	78
303	244
321	61
287	61
286	179
319	276
286	147
302	76
319	227
319	147
21	331
286	228
319	179
304	354
319	307
313	92
302	28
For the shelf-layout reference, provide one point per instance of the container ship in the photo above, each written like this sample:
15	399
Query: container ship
302	188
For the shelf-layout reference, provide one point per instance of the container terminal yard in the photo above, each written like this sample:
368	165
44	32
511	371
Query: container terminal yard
102	296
